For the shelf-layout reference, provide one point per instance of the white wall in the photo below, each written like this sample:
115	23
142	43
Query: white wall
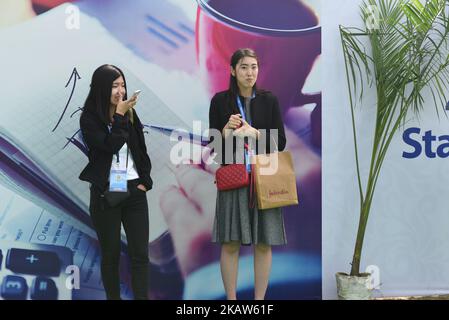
407	234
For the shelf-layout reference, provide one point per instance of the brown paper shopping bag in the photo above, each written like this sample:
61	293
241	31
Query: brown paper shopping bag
275	180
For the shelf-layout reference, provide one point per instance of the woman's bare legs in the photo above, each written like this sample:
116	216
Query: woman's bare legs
262	268
229	263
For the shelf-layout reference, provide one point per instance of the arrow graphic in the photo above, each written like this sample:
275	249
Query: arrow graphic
75	76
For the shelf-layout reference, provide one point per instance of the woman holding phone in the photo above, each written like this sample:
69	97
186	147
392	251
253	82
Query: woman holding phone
118	165
242	111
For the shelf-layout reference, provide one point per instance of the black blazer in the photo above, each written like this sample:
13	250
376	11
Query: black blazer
103	145
265	114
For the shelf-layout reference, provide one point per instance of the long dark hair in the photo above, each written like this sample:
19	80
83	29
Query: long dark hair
233	90
99	98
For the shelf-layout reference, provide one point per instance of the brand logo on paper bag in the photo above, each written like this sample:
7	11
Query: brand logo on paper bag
273	193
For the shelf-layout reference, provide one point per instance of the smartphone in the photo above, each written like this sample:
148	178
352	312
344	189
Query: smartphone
136	93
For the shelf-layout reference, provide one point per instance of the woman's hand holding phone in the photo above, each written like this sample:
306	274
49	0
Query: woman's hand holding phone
124	106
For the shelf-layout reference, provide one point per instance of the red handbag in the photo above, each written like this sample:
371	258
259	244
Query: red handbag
233	176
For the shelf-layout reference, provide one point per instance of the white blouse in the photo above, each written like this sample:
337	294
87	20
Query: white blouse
131	172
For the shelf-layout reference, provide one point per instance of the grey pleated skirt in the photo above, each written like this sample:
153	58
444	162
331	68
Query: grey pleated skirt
236	221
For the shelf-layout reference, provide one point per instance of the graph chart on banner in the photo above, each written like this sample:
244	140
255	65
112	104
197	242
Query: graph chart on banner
36	161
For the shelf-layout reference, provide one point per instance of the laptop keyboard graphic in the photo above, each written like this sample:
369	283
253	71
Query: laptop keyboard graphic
34	271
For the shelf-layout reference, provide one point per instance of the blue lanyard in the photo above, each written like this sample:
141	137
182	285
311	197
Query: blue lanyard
242	112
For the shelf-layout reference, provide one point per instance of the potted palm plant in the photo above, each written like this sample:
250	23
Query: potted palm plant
402	55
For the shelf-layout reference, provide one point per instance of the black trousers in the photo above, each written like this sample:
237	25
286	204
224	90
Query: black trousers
107	221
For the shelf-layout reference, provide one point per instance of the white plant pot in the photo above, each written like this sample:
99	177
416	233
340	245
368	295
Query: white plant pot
353	287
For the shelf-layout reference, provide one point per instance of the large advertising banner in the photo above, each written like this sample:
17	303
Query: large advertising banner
178	54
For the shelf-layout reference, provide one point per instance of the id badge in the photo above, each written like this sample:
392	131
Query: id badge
117	181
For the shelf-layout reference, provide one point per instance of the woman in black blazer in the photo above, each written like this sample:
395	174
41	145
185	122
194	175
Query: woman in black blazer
243	111
114	136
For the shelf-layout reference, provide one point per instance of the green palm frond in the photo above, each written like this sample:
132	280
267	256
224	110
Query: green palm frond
423	16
